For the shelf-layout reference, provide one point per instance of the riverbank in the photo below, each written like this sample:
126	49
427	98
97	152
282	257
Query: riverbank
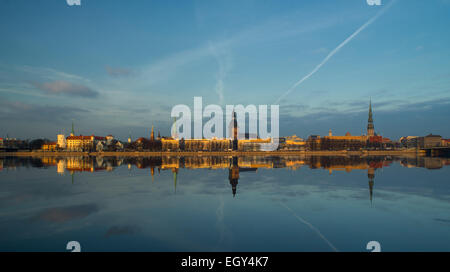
408	153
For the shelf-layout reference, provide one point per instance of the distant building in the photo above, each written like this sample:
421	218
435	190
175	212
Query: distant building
152	135
49	146
169	144
292	143
109	139
430	141
375	139
445	142
118	145
347	142
409	141
61	141
13	143
253	144
234	132
83	143
313	142
100	146
197	145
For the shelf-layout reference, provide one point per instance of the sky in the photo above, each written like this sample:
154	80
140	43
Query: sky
118	67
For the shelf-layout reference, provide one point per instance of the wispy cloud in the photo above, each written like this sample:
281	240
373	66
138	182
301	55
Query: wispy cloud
117	71
50	74
20	111
168	67
224	61
65	88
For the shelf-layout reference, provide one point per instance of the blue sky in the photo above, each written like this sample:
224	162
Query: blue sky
120	66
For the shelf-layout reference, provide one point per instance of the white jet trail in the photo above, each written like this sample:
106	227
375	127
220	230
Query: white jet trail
335	51
311	227
224	62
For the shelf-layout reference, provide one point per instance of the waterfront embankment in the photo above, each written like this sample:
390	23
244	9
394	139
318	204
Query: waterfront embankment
363	153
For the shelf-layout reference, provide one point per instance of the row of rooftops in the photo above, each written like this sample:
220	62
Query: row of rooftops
91	137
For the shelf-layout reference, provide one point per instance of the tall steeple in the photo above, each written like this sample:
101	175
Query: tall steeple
234	132
235	126
152	135
370	127
73	131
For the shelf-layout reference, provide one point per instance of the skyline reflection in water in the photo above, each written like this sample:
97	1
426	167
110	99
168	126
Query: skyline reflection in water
204	203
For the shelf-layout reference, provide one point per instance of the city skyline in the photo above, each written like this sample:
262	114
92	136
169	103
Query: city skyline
240	131
116	69
196	129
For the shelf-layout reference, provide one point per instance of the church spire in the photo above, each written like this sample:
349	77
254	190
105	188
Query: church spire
73	131
370	127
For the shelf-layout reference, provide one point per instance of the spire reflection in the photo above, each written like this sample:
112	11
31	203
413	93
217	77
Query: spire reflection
234	164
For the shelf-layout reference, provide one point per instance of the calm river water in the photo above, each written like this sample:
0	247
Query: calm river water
225	203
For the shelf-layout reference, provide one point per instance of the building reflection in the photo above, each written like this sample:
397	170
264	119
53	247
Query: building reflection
235	165
371	176
233	174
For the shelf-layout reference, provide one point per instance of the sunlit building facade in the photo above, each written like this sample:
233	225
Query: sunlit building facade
49	146
61	141
83	143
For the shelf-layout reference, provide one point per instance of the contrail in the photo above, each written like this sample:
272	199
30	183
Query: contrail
223	60
325	60
311	227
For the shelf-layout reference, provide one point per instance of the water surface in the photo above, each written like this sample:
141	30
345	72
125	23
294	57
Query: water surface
224	203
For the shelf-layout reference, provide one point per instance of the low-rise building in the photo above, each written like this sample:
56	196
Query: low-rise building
253	144
49	146
291	143
170	144
61	141
313	142
109	139
429	141
409	141
83	143
347	142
